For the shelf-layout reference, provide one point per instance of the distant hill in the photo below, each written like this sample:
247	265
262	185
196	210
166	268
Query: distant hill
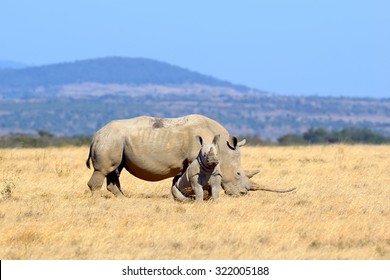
110	70
78	98
6	64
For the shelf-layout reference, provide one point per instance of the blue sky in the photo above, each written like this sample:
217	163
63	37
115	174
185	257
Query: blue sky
326	47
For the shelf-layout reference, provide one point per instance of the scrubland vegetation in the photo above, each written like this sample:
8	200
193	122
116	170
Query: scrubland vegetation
45	139
340	209
80	97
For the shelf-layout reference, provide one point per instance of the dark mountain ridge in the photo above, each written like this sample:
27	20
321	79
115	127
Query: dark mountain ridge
7	64
109	70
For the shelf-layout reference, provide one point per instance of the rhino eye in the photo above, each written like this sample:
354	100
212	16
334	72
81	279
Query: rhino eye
238	174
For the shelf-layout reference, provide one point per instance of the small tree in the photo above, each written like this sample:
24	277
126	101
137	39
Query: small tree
291	139
45	134
316	136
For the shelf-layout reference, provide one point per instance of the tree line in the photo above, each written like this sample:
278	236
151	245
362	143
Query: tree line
312	136
43	139
323	136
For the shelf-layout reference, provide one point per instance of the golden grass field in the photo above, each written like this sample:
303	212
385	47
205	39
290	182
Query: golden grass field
340	210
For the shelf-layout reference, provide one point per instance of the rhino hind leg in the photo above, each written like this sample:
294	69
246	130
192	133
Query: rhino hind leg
178	196
113	184
96	181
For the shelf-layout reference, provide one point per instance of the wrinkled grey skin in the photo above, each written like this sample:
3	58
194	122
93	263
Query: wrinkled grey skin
202	177
154	149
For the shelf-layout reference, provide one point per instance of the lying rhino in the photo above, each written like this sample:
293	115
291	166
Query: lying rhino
202	177
154	149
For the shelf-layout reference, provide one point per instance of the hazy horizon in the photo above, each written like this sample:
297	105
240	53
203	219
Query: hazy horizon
326	48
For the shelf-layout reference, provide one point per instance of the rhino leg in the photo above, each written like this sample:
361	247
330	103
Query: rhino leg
178	196
96	181
197	188
215	192
113	184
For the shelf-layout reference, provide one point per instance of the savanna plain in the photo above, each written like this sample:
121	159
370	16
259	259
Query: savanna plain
339	210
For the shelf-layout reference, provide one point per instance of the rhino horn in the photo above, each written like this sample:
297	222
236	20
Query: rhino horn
257	187
251	173
253	186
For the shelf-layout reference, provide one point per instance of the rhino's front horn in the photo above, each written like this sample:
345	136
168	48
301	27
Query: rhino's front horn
251	173
253	186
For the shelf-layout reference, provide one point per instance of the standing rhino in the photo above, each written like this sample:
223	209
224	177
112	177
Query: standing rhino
154	149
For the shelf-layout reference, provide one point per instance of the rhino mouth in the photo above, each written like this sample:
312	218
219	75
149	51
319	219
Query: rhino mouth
233	191
212	162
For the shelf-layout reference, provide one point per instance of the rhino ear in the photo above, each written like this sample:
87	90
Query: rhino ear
199	139
241	143
232	143
216	139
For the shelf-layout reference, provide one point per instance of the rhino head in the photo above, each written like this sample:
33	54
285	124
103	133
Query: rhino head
209	153
235	181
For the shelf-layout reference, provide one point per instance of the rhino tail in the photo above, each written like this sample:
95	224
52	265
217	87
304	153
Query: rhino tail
88	162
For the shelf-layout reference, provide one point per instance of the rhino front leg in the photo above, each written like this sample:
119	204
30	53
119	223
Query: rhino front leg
197	188
215	183
113	184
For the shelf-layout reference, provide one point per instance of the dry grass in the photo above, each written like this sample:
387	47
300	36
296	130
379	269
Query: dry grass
341	209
